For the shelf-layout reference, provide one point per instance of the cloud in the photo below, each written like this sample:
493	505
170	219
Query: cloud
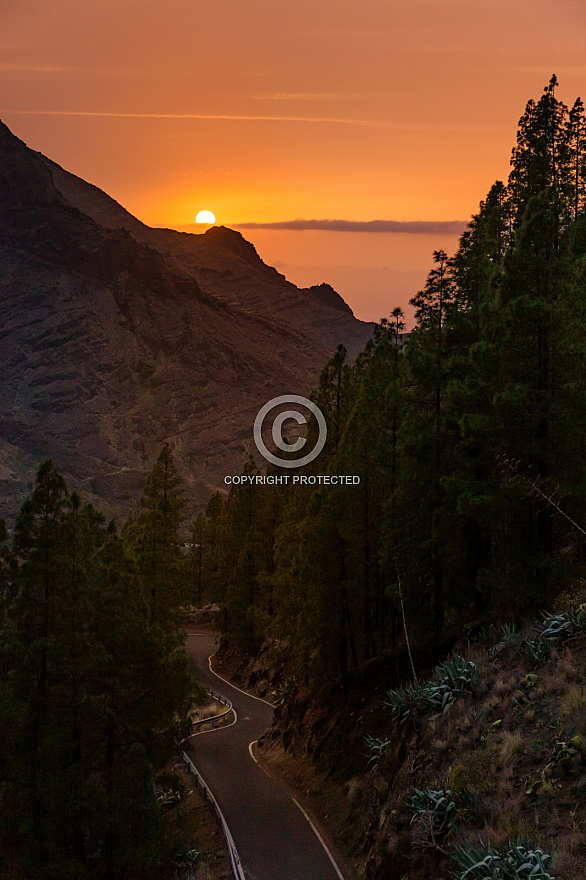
22	67
413	226
368	123
301	96
410	129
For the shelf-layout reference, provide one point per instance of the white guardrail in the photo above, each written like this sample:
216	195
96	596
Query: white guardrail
234	857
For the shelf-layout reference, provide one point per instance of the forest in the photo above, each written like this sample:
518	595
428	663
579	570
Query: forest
468	435
94	681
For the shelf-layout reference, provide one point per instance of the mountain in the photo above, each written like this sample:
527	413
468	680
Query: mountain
227	267
116	337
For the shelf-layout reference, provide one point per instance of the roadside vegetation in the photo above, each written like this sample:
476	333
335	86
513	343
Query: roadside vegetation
492	786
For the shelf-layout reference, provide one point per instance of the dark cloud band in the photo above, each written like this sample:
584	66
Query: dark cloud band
414	226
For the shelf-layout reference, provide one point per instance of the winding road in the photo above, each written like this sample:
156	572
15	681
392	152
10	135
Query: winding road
273	836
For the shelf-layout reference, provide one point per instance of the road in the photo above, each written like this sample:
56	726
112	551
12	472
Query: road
274	839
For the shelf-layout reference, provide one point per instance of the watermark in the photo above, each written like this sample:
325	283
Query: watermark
277	429
295	480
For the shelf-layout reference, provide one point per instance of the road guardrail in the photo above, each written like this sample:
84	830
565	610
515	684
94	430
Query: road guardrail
237	871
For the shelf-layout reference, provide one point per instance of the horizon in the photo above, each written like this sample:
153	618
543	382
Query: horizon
249	113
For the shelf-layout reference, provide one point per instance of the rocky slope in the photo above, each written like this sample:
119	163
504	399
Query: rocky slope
115	337
228	267
496	779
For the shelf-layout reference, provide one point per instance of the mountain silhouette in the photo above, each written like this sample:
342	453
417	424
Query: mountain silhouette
116	337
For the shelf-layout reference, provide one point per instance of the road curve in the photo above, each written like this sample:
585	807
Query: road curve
273	838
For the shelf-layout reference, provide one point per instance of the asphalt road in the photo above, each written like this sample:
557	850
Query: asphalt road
273	838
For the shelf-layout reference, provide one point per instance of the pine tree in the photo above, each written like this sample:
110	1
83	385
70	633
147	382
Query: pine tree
425	427
541	158
39	549
155	540
494	367
576	135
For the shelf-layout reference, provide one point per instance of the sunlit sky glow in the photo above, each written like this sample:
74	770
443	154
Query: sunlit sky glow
265	111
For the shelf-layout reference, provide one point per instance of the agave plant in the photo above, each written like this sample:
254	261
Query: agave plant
537	650
405	700
554	628
453	677
432	815
510	634
520	862
377	748
450	678
510	639
457	674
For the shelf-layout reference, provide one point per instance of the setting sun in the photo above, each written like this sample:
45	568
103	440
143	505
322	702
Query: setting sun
205	217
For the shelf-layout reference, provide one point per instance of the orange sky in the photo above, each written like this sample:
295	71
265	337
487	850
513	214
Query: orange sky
265	110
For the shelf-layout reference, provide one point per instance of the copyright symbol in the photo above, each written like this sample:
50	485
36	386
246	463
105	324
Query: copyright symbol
278	426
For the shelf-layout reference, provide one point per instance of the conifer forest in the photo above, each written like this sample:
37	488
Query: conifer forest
468	435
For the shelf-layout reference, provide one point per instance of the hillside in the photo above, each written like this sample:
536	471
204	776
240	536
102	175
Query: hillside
409	788
115	338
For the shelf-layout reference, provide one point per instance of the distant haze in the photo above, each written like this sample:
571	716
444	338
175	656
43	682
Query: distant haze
374	265
374	272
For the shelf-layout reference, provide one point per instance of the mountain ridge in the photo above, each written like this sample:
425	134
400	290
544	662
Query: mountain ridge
116	340
223	250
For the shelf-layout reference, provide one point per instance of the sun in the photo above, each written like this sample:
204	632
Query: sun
205	217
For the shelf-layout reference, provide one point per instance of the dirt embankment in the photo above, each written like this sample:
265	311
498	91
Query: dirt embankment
196	849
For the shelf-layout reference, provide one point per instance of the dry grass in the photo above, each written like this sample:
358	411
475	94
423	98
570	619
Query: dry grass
501	688
354	788
567	666
572	702
512	747
557	682
209	710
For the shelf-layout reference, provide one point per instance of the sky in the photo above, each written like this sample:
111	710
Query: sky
266	111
